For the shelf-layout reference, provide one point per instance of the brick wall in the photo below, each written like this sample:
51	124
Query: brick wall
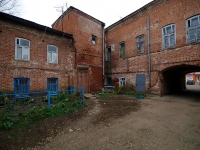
83	26
37	69
161	13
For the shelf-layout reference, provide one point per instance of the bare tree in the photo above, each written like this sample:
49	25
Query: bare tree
9	6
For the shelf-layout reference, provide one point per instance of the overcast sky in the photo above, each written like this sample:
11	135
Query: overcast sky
108	11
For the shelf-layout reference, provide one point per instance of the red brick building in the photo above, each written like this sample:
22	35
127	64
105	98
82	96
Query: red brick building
33	56
88	34
154	47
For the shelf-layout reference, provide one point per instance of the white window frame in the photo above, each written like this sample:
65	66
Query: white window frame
54	55
196	29
121	53
139	50
94	39
25	49
108	54
168	35
122	81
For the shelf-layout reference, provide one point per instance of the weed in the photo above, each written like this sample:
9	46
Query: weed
22	120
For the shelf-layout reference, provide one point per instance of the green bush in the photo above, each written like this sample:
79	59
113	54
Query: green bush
125	89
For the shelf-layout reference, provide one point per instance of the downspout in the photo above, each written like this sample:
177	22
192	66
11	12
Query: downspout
103	48
149	56
74	53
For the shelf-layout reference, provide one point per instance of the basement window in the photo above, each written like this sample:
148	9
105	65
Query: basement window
168	36
193	29
108	54
22	49
52	54
122	50
122	81
140	44
94	39
52	85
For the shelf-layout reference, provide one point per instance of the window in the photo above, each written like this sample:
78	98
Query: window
122	50
94	39
108	53
168	36
22	49
193	29
52	85
21	87
108	81
52	54
122	81
140	44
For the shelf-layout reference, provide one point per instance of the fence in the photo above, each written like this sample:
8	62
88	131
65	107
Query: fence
10	104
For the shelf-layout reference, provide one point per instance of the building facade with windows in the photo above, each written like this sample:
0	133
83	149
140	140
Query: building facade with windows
154	47
88	34
33	57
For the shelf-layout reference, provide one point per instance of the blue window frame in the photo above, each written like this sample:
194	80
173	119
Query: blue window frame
21	87
52	85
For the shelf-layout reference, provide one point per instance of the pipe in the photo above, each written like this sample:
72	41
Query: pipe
73	44
103	38
149	57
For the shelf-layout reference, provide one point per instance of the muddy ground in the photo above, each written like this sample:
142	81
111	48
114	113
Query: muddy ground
167	123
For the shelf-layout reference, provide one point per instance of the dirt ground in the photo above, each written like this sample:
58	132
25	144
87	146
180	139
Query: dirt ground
154	123
167	123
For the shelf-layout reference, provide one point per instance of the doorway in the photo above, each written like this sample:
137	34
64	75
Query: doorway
83	79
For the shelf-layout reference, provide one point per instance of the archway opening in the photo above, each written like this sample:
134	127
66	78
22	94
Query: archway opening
174	79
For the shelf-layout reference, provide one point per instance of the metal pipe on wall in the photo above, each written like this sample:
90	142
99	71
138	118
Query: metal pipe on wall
103	38
149	55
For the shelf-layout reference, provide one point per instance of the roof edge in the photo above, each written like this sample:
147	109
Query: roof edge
73	8
132	14
4	16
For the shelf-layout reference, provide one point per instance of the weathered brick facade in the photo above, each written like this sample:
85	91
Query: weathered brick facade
81	57
37	69
169	65
88	55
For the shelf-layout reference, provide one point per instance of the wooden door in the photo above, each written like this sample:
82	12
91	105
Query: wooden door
83	79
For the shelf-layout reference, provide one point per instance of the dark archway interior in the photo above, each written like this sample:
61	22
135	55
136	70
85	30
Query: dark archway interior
173	78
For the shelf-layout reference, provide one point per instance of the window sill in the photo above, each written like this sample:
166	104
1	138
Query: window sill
193	43
22	60
169	48
52	63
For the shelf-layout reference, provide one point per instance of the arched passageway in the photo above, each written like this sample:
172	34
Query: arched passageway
172	79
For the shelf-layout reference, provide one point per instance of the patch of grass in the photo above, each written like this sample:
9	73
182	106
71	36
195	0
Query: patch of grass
8	121
104	96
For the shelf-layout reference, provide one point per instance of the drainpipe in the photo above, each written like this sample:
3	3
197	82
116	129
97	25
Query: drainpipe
149	58
103	40
74	53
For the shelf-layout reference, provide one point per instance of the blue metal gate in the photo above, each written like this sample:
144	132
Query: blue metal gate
140	83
